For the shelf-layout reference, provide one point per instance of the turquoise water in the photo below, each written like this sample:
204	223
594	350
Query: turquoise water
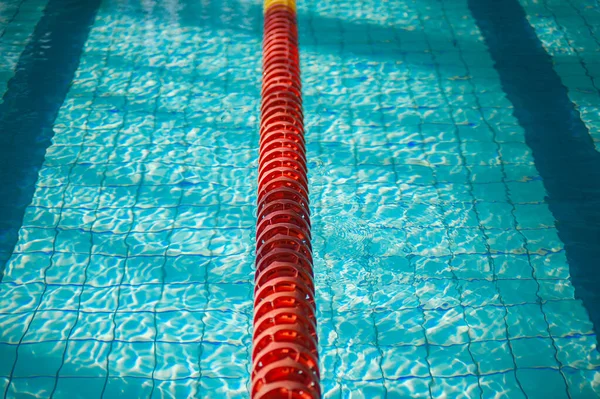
17	21
440	269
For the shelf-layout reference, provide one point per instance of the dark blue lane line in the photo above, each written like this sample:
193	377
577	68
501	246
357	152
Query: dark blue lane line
31	102
562	148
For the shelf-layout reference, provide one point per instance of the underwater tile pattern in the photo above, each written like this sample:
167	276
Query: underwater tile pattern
569	32
440	273
132	276
17	22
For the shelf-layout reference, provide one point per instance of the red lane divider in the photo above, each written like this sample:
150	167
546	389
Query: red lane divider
284	353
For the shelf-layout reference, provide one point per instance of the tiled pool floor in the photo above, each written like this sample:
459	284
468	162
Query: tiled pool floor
439	270
132	273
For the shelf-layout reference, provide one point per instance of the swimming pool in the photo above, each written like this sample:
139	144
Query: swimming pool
440	268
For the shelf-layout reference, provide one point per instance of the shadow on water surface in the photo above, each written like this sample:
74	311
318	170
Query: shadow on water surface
562	148
31	103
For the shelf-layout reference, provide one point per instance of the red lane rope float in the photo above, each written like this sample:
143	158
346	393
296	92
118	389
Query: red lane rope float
284	352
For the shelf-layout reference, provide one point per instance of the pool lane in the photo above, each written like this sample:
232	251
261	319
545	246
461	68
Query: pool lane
562	148
132	275
432	236
18	31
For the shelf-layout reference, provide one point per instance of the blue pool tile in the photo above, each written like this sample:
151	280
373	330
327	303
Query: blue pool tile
235	369
41	217
542	241
150	244
41	359
438	294
103	271
492	357
579	383
61	272
31	387
354	328
50	326
451	361
467	241
405	362
330	388
177	360
396	297
198	217
227	327
534	352
107	220
131	359
182	269
505	241
518	292
579	352
79	388
496	215
351	297
20	298
526	321
529	192
556	290
486	174
567	318
471	266
85	359
513	267
225	297
110	245
123	387
408	388
428	131
182	297
445	327
360	362
542	383
486	323
504	385
234	387
434	267
480	293
134	327
13	326
36	239
179	326
533	216
363	389
27	268
61	297
176	389
8	354
412	332
94	299
457	387
550	266
139	298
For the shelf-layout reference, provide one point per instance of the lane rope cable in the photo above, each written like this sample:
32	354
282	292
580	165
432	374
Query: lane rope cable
284	342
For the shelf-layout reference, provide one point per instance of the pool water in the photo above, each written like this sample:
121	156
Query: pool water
448	264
